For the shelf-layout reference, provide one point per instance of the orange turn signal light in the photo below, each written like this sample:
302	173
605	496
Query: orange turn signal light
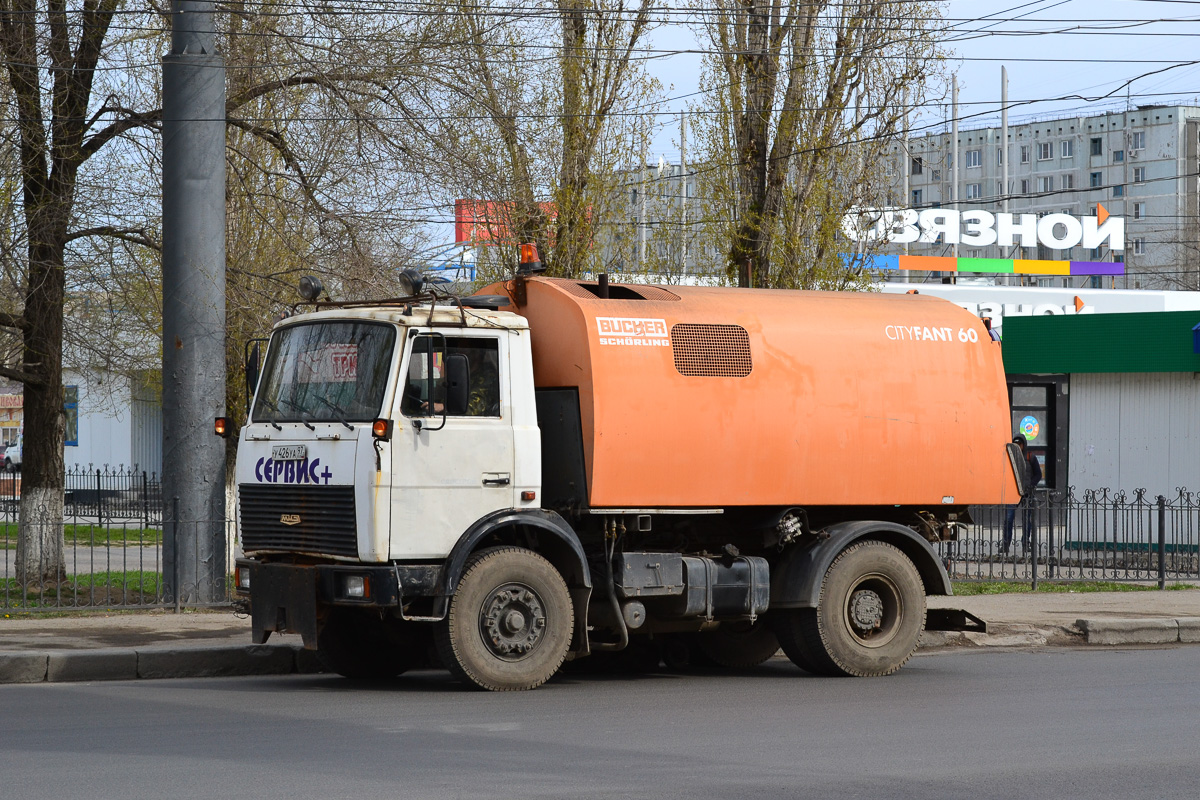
221	426
528	495
382	429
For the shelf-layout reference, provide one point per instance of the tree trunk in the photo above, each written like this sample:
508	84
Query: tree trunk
40	542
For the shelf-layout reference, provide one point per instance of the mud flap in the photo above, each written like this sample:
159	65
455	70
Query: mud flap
283	599
953	619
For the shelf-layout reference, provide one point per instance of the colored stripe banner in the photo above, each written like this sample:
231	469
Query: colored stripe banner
1006	266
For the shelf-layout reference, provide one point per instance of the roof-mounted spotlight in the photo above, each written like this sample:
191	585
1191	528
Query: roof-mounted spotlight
311	288
530	263
411	282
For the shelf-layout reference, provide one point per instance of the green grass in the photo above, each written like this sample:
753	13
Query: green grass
970	588
91	536
93	590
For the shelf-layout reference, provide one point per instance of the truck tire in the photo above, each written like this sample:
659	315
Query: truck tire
510	621
738	645
869	616
361	646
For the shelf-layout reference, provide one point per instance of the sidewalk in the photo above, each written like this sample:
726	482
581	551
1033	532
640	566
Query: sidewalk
150	644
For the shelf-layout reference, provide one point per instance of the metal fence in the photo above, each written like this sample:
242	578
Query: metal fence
113	535
101	495
113	549
1098	535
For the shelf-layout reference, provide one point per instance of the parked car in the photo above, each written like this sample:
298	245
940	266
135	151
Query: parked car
12	455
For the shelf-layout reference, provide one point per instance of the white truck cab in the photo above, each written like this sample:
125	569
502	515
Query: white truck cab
383	445
314	474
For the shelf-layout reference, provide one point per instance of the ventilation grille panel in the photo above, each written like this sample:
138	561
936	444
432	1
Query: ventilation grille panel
716	351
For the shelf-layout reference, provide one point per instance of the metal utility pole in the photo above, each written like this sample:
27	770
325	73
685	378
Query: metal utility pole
954	162
906	165
1004	147
193	268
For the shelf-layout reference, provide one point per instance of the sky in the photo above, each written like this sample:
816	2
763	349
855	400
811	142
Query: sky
1061	56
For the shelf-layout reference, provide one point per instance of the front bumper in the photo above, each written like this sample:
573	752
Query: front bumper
293	598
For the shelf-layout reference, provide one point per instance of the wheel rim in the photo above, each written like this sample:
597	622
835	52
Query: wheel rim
512	621
873	610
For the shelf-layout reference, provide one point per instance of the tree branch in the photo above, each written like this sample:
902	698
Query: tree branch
132	235
26	378
14	321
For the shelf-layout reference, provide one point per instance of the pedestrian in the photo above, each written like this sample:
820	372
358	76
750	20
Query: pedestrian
1033	471
992	332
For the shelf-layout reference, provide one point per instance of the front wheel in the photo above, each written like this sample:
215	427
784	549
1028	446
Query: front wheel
510	621
868	619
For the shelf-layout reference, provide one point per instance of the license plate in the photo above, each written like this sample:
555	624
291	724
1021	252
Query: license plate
289	452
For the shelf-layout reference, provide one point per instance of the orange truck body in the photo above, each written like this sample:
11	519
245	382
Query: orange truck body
707	397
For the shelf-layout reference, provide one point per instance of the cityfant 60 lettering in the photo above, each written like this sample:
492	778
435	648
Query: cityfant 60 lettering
632	331
979	228
924	333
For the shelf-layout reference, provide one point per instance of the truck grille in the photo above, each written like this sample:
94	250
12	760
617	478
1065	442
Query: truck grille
326	519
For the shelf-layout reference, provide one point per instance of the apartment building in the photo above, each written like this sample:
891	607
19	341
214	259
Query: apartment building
1140	164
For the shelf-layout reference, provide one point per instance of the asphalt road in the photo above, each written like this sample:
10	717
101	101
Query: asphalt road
1046	724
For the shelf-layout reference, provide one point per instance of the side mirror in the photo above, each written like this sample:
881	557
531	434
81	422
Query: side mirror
1021	472
458	382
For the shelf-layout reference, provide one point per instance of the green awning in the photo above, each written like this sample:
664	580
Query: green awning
1156	341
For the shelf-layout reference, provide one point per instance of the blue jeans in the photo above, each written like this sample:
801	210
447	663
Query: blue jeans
1027	521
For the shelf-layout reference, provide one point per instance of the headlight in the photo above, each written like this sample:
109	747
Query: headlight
243	578
357	586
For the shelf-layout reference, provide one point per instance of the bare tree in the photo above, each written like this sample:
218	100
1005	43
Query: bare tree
537	132
808	95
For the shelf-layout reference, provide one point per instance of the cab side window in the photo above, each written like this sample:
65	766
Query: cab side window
431	384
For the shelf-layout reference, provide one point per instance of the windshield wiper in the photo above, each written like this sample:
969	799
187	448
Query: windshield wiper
272	407
303	417
337	413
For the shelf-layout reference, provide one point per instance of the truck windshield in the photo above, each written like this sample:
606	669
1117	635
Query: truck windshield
326	372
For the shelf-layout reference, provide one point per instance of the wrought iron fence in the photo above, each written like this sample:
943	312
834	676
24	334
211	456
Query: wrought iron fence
114	556
1099	535
115	553
97	494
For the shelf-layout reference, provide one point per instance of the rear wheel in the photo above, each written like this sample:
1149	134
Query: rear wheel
361	645
738	645
869	616
510	621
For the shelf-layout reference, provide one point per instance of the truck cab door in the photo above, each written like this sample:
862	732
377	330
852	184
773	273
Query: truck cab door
452	448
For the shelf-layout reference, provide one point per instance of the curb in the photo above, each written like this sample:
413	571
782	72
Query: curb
61	666
123	664
1140	631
